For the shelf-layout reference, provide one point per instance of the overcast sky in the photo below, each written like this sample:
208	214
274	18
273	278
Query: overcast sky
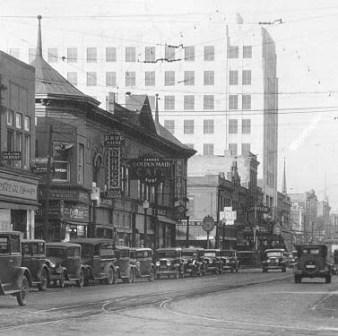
307	62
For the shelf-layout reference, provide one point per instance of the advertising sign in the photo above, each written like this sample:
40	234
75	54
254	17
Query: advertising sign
114	173
61	171
208	223
113	139
11	156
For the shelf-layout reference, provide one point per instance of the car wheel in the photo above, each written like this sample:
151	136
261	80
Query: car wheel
237	269
133	276
264	270
158	276
110	276
43	280
22	294
62	282
81	281
151	276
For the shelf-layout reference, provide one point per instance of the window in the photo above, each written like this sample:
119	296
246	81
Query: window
27	124
169	102
31	54
18	147
149	54
91	78
18	120
15	52
189	53
52	55
189	102
130	78
246	77
246	126
72	77
245	148
10	118
110	54
169	78
110	78
209	78
208	126
189	77
233	126
188	127
91	55
80	171
209	53
149	78
233	52
27	157
246	102
233	149
130	54
169	53
71	55
233	77
233	102
247	51
208	149
10	140
208	102
170	125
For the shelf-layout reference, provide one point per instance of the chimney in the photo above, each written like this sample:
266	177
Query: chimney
39	44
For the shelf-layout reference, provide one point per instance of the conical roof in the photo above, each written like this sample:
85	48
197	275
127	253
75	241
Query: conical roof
49	82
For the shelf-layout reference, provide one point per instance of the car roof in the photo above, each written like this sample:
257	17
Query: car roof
186	249
169	249
276	249
33	241
212	250
143	249
311	246
16	233
91	241
62	244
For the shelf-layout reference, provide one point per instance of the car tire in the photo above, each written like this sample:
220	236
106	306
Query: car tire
42	286
133	276
22	294
110	276
81	281
62	280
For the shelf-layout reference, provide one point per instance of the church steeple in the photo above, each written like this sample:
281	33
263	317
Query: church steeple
39	44
284	189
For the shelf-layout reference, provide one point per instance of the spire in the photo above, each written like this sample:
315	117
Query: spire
39	44
284	189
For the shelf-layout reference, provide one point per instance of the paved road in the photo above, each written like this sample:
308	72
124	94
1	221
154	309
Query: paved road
247	303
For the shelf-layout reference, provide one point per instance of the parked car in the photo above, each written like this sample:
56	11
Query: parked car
312	263
169	262
126	264
43	271
274	259
230	260
192	261
144	263
212	259
14	279
68	255
98	258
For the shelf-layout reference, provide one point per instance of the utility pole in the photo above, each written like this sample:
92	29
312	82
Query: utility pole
48	181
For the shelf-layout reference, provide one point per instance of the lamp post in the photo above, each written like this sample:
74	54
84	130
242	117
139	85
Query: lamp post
145	236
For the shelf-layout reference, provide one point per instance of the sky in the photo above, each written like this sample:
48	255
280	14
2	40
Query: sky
306	37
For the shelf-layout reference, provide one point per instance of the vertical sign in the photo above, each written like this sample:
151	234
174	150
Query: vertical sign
113	143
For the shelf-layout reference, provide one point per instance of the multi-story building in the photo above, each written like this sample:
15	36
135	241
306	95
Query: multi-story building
297	218
18	186
215	95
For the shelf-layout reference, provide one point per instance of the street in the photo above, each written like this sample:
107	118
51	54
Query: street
248	302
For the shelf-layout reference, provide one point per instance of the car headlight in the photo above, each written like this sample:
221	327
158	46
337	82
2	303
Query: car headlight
157	263
51	264
268	261
168	262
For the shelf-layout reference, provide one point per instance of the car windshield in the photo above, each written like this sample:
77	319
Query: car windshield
142	254
33	248
167	254
55	252
312	251
210	254
274	254
123	253
189	253
4	248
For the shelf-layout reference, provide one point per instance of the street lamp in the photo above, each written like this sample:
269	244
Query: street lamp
145	236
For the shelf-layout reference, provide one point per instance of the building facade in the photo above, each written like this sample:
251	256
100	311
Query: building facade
211	110
18	186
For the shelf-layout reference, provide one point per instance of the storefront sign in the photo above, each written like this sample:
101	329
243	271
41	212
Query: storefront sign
208	223
114	173
113	139
18	189
61	171
68	195
11	156
76	212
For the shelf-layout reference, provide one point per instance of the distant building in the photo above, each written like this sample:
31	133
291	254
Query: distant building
297	219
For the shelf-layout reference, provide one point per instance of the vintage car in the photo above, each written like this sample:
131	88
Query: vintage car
144	263
230	260
192	261
98	258
68	255
126	264
43	271
274	259
169	262
312	263
212	259
14	279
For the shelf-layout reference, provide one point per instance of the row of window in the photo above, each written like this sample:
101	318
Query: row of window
131	54
208	149
209	126
18	121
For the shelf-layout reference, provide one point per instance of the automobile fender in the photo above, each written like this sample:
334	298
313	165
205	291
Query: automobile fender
19	273
44	267
107	267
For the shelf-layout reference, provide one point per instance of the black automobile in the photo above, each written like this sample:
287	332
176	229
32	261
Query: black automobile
212	260
274	259
230	261
312	263
192	261
168	261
